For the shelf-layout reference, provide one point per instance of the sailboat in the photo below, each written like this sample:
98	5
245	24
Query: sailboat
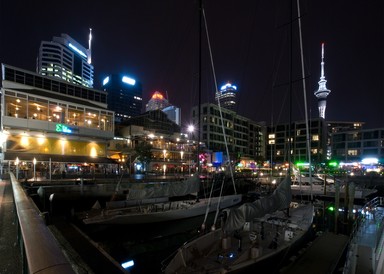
141	208
250	236
151	203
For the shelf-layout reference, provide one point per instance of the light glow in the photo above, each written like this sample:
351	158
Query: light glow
368	161
128	80
77	50
128	264
227	86
106	80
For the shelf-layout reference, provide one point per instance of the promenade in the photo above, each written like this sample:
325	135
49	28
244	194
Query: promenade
9	249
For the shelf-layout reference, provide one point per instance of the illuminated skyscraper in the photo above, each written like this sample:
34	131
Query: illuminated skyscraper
65	58
227	96
157	101
322	92
124	96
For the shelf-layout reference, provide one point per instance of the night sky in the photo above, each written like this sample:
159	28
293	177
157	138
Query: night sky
156	42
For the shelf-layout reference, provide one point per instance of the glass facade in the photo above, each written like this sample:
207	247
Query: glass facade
20	105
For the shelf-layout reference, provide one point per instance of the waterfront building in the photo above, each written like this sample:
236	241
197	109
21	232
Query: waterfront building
59	126
172	151
244	137
226	96
320	136
357	144
125	96
278	141
65	58
322	92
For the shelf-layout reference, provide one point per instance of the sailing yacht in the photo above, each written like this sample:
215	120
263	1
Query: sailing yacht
251	234
151	203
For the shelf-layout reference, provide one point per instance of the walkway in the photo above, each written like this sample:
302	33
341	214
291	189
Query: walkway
322	256
9	248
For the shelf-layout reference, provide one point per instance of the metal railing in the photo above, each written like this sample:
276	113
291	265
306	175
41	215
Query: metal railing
355	241
40	251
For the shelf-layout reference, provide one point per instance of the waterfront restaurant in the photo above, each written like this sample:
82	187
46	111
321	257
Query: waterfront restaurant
49	126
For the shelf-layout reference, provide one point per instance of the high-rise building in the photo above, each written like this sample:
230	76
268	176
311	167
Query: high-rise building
227	96
243	137
65	58
157	101
124	96
322	91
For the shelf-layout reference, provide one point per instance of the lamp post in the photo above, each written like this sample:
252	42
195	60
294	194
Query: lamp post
34	169
190	129
164	166
17	167
181	161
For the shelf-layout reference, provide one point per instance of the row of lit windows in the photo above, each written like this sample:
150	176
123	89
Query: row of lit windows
28	107
42	144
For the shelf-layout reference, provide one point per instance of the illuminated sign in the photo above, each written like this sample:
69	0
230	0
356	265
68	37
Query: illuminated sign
106	80
128	80
64	128
77	50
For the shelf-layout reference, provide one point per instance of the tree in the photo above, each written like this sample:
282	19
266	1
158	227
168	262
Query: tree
144	153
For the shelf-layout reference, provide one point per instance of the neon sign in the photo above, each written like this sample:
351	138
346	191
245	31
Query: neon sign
63	128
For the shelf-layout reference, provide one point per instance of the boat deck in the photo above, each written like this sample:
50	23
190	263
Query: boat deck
271	238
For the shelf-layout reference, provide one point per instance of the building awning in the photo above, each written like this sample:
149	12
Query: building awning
28	157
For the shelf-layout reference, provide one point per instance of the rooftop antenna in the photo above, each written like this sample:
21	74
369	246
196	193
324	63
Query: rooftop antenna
89	47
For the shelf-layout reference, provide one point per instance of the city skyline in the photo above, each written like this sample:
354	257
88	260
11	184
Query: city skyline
157	43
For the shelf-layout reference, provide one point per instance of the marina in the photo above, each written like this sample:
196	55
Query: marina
121	243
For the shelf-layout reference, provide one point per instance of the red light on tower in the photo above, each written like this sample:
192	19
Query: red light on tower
157	95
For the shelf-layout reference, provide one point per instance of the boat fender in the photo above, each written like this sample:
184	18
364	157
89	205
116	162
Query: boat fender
226	243
252	236
288	235
255	252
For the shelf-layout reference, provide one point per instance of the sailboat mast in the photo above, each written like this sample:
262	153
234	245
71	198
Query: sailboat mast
290	94
305	98
200	83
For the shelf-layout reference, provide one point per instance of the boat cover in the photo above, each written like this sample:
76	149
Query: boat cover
164	189
280	199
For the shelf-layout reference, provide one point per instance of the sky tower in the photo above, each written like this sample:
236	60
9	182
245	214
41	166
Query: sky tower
322	92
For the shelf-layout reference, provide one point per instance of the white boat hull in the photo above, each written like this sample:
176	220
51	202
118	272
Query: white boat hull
162	212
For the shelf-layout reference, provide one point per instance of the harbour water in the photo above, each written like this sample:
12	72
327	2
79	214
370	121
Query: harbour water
150	245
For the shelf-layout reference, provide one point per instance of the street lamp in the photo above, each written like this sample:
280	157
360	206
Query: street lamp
190	129
34	169
164	166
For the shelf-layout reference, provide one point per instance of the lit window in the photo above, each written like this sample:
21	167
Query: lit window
315	138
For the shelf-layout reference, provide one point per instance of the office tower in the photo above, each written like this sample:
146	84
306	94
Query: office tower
65	58
227	96
124	96
157	101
